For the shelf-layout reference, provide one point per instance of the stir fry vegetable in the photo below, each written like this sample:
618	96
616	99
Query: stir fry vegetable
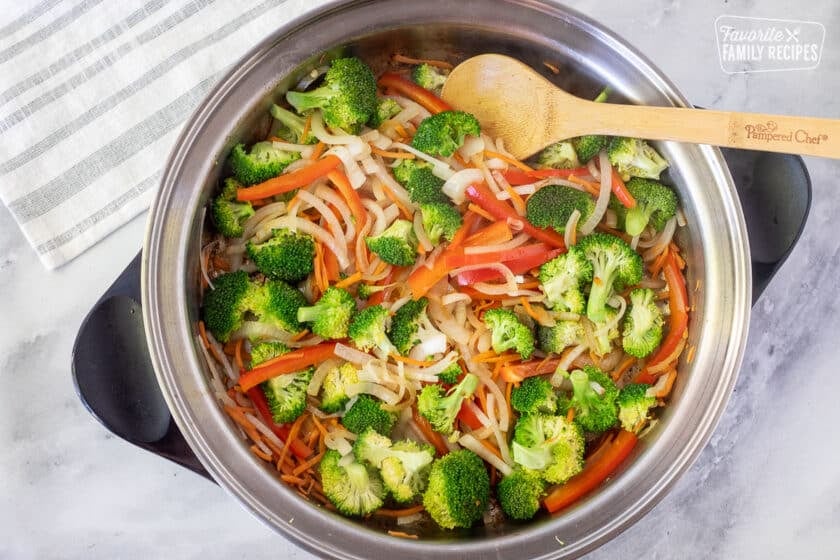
407	322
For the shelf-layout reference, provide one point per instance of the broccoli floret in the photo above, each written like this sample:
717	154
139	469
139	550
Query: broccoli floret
404	465
385	109
605	332
642	324
334	388
368	331
354	489
330	316
226	304
229	214
264	351
396	245
655	204
287	255
440	408
277	304
519	493
364	291
458	490
423	186
594	396
286	395
551	206
549	444
292	126
263	162
635	158
561	278
634	404
559	156
614	264
508	332
587	147
556	338
534	394
347	98
451	374
411	326
443	133
367	412
440	220
429	77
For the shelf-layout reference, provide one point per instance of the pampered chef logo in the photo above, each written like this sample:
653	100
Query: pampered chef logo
747	44
769	132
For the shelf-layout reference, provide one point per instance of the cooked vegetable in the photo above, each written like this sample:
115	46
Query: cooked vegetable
509	333
347	98
287	255
420	182
386	108
593	399
655	204
556	338
265	351
550	445
519	493
440	221
614	265
404	465
226	304
458	490
334	390
292	126
330	316
228	214
552	205
396	245
535	394
368	330
429	77
442	134
367	413
561	280
560	155
635	158
642	324
411	326
634	405
286	395
354	489
263	162
440	407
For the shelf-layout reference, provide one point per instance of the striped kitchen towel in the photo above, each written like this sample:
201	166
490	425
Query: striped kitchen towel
92	96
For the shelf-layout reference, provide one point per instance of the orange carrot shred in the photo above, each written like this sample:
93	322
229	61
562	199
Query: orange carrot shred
514	162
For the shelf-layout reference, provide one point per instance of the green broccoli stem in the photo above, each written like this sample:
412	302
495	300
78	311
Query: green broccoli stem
309	314
306	100
596	307
581	386
636	219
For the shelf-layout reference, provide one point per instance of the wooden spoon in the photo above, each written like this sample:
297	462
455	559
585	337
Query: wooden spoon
514	102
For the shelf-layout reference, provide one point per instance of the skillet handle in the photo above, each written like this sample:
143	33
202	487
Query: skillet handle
775	193
114	377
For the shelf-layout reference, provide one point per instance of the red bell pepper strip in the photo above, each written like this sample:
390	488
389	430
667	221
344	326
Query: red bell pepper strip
289	181
423	278
515	373
677	321
518	177
481	195
517	266
459	258
620	191
300	449
287	363
433	103
597	468
468	417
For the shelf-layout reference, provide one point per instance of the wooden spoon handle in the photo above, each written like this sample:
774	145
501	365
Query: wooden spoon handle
753	131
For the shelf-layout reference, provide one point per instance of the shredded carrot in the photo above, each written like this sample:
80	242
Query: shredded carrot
393	198
431	436
515	198
690	356
483	356
260	453
319	149
210	347
229	348
528	309
623	367
658	263
306	126
350	280
431	62
238	354
495	233
394	155
481	212
679	259
491	448
514	162
300	335
320	282
528	284
508	390
385	512
481	393
412	361
402	534
461	160
591	188
401	130
310	463
570	415
291	479
293	432
669	384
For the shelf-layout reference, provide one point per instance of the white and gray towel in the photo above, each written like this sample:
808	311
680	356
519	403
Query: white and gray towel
92	95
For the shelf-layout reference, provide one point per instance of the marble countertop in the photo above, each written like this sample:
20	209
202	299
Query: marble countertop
766	486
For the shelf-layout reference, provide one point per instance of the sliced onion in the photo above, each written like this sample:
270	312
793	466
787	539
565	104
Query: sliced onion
440	168
472	145
570	236
456	186
469	442
305	150
320	373
326	214
409	519
352	355
434	344
354	172
420	232
662	240
330	196
374	389
500	439
565	363
454	297
611	218
257	330
512	244
593	169
358	147
269	211
382	174
603	197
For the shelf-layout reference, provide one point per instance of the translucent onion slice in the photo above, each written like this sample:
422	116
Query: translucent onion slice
469	442
603	197
455	187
